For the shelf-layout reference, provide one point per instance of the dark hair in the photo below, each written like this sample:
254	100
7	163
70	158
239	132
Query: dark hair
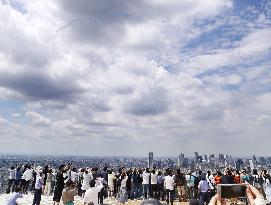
92	183
69	183
255	172
12	167
17	189
61	166
86	171
74	169
110	171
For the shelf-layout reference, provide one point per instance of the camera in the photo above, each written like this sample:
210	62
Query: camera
228	191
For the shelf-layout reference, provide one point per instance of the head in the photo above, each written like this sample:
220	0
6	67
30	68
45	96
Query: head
61	167
203	176
17	189
69	184
255	172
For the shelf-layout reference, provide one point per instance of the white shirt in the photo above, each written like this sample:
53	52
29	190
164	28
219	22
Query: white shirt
123	182
169	182
204	186
91	194
211	181
39	182
111	178
28	175
12	174
153	178
86	181
74	176
146	178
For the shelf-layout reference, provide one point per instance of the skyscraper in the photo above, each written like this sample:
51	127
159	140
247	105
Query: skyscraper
181	161
196	154
150	160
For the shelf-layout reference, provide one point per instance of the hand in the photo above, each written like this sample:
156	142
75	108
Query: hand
217	200
254	196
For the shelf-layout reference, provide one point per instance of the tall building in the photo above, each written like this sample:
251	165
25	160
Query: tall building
262	161
221	159
238	164
150	160
196	154
205	158
181	161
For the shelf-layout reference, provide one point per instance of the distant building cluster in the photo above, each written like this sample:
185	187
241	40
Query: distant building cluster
198	162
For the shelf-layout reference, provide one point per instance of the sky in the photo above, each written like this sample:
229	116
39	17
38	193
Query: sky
101	77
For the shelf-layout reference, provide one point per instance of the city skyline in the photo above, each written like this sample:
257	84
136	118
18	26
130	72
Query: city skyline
114	79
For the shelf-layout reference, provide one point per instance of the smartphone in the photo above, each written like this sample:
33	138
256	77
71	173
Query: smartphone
228	191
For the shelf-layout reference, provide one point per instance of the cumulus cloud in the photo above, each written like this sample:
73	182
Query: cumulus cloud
134	72
37	119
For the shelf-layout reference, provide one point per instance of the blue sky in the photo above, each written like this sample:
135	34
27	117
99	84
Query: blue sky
125	78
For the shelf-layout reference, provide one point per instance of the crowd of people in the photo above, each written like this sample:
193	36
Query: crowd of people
93	185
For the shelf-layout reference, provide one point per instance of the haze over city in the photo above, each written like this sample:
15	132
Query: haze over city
128	77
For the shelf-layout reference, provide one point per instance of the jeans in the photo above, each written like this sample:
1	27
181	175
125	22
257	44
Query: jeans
204	197
10	183
146	191
136	191
37	196
153	191
170	196
161	192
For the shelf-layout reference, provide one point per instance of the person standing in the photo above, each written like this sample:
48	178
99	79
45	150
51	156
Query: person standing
11	179
123	196
136	184
146	183
180	182
91	195
18	178
38	188
204	189
169	185
59	185
86	182
48	185
153	184
27	176
74	175
160	186
111	178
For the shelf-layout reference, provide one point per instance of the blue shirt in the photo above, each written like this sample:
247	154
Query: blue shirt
18	174
13	197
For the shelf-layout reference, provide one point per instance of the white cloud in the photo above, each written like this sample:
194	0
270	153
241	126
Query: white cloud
88	71
16	115
37	118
